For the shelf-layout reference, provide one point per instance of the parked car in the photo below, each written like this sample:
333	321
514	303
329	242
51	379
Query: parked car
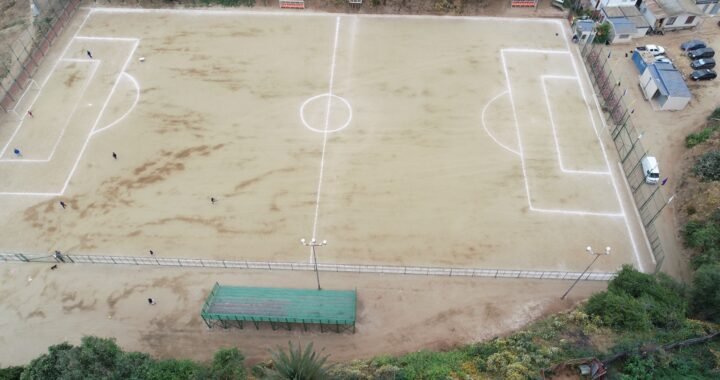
692	45
706	74
704	63
650	170
701	53
654	49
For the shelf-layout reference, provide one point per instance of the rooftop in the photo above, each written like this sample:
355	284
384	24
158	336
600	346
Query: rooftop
669	80
621	25
236	303
671	8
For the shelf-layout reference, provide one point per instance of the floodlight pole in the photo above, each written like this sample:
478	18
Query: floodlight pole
312	244
589	250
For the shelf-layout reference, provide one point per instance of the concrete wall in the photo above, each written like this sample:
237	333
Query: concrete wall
673	103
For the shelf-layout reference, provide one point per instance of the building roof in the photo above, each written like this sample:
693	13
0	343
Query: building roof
621	25
669	80
671	8
280	305
630	13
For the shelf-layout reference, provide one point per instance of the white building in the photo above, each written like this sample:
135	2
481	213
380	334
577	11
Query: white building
667	15
626	23
709	7
663	85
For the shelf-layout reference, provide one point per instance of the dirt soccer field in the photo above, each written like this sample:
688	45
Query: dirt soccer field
427	141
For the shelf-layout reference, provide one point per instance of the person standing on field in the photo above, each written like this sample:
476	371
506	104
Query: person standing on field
89	54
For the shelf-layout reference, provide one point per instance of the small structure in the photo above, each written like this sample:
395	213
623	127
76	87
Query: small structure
626	16
665	15
663	85
599	4
523	3
583	29
232	306
292	4
622	30
355	3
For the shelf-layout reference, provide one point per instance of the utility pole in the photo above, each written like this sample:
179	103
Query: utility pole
589	250
312	244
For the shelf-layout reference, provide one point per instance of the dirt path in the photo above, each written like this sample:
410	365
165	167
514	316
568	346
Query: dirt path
396	314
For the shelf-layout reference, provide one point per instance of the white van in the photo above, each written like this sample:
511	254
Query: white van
650	170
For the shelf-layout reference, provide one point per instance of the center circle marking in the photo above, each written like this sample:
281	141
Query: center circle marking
329	97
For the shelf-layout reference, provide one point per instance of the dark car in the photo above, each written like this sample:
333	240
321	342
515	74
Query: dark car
701	53
703	75
704	63
692	45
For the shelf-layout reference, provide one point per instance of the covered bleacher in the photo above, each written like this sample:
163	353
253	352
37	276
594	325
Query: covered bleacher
233	306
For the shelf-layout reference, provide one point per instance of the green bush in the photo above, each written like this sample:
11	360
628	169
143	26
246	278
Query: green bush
707	167
715	114
705	295
296	363
705	237
228	364
430	365
619	310
602	33
696	138
11	373
659	299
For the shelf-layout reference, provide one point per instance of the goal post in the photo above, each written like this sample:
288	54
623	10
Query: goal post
292	4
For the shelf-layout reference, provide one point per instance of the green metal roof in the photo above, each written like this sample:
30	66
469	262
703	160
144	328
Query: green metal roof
237	303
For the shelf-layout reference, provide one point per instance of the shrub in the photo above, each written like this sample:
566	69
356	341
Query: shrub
228	364
696	138
602	33
297	363
11	373
705	295
619	310
707	167
705	237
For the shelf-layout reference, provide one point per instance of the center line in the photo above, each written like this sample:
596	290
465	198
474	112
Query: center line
327	123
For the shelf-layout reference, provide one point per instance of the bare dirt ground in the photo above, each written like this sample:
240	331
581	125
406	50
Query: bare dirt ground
396	314
420	171
665	131
14	19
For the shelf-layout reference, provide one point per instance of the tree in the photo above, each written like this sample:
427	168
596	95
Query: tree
296	364
228	364
705	298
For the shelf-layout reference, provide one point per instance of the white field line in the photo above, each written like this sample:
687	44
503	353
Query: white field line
52	70
521	150
17	103
100	114
90	134
137	98
487	130
327	123
96	64
602	146
235	12
555	133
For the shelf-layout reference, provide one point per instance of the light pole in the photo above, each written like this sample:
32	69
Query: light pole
312	244
589	250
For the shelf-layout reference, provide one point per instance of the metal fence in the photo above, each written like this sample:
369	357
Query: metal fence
649	199
20	58
269	265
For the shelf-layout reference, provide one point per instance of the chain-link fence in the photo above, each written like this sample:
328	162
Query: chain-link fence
269	265
20	58
649	199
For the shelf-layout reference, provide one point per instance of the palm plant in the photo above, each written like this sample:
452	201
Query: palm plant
296	364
